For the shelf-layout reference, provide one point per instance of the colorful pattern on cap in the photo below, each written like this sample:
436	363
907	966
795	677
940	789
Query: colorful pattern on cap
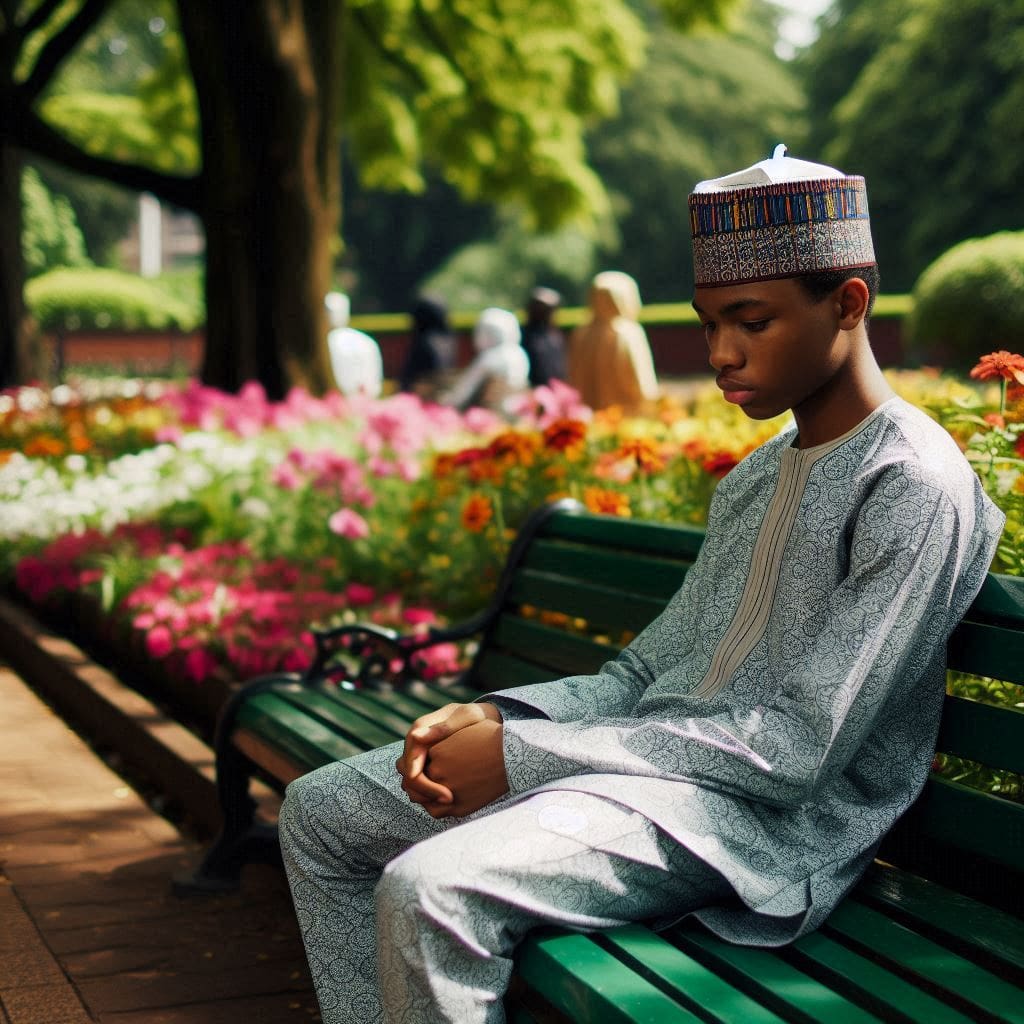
767	232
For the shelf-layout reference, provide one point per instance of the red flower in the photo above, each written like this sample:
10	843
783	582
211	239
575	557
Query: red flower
1019	446
1007	365
719	463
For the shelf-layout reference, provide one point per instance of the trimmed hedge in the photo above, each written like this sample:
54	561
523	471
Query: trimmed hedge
96	298
968	302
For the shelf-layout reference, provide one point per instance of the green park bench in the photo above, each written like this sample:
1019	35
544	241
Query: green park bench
933	933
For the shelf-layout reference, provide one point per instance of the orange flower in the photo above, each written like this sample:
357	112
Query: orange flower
477	512
480	472
1002	364
607	503
644	454
444	464
563	434
45	444
513	447
994	419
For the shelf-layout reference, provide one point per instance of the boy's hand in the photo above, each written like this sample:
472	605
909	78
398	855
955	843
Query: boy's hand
423	734
470	765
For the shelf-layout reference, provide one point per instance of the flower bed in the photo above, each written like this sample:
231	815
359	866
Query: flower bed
213	530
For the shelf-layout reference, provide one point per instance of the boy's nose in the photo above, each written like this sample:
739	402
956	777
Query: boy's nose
723	354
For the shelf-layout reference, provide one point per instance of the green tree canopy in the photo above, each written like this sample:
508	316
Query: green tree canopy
927	100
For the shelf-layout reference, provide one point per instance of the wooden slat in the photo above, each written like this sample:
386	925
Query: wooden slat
280	768
581	979
690	983
299	737
883	992
983	650
645	574
791	993
552	648
668	539
975	931
992	736
602	606
354	728
497	671
367	704
959	818
959	981
1001	599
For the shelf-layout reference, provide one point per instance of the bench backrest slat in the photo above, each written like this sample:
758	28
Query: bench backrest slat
986	650
992	736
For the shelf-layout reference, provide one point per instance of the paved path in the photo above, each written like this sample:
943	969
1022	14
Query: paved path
89	930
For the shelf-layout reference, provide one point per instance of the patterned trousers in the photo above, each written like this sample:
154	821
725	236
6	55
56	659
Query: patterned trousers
410	919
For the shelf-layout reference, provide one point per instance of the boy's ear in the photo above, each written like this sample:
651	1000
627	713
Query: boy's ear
852	298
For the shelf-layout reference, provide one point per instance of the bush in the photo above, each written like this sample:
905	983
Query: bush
50	235
969	301
69	299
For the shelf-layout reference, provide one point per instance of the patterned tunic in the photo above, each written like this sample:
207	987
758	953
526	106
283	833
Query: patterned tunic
782	712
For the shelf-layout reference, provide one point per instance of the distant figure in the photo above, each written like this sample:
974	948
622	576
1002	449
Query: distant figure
432	349
355	356
500	369
542	341
610	360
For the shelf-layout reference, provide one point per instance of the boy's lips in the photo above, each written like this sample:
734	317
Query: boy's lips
735	390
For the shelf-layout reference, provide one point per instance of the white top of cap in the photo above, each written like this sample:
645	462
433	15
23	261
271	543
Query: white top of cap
776	170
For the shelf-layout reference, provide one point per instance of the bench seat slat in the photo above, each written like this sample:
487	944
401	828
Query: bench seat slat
439	694
565	653
578	977
657	577
354	728
602	606
985	650
960	981
882	991
993	736
299	736
691	982
367	704
974	930
767	978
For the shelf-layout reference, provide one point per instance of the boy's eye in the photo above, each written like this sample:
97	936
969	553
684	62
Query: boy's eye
708	326
755	326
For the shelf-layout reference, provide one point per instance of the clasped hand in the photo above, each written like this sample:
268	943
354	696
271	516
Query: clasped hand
453	763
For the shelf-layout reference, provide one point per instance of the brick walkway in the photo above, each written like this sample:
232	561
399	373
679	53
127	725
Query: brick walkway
89	930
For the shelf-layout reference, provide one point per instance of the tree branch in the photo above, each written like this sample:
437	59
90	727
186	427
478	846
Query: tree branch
58	48
393	58
39	17
31	132
440	43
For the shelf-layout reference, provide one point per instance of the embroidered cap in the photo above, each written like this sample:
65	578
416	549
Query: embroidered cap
780	218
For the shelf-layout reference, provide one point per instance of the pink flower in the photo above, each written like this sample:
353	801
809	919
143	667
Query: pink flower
348	524
199	663
159	642
419	616
169	434
360	594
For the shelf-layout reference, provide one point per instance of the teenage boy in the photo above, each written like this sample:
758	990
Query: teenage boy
743	757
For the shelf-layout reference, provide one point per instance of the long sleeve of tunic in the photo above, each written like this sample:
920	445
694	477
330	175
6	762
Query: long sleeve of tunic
782	711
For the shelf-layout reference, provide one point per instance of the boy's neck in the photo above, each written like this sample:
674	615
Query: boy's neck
851	396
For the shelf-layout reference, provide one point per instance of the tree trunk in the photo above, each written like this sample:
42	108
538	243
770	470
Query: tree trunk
266	75
13	321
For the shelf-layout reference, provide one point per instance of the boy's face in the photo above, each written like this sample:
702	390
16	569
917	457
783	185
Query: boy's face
771	346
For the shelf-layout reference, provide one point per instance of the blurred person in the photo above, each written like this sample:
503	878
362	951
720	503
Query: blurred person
355	356
501	368
610	361
430	360
542	341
